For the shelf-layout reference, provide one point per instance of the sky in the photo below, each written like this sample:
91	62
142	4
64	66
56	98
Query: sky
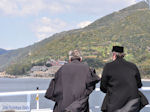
25	22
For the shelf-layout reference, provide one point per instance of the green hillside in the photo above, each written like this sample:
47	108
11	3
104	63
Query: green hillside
129	27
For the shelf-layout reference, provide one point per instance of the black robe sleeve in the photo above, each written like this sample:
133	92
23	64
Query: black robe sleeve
92	79
104	80
143	100
54	92
138	78
50	91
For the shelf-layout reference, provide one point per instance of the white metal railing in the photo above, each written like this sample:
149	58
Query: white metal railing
22	93
142	89
37	92
27	93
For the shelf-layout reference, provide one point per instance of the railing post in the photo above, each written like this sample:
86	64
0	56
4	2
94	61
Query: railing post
28	101
37	99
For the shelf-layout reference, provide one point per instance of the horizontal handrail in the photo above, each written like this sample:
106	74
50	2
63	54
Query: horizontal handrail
44	91
145	89
142	89
22	93
36	92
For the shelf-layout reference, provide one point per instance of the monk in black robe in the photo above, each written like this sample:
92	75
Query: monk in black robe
120	81
72	85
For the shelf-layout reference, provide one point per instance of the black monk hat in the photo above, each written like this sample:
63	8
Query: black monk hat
118	49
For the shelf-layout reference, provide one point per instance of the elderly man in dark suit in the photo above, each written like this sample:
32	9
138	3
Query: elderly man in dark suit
72	85
120	81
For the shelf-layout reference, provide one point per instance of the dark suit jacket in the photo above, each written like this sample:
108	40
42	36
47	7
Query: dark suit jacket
71	87
120	80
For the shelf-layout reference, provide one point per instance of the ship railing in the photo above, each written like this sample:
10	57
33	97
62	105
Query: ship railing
37	92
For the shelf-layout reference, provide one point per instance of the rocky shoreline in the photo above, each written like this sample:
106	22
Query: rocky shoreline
5	75
11	76
24	76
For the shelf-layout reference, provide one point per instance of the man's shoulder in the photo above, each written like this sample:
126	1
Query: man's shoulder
124	61
130	64
109	64
72	64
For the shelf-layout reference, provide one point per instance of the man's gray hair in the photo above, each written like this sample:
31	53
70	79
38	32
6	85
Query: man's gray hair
119	54
74	54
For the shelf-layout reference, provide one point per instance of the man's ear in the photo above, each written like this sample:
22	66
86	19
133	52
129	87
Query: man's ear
80	58
114	56
69	59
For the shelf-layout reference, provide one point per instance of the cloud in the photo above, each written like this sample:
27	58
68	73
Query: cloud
84	24
20	7
45	27
57	7
97	8
99	1
28	7
129	2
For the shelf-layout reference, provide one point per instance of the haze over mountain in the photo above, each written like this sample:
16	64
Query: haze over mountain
2	51
129	27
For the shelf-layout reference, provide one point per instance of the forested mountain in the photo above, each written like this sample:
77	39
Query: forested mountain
129	27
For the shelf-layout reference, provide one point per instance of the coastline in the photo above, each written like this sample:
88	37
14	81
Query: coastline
31	77
25	77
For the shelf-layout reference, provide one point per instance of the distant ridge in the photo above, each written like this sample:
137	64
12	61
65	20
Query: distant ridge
116	16
3	51
129	27
141	5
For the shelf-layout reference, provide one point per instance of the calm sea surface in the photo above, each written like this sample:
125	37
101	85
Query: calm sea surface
27	84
